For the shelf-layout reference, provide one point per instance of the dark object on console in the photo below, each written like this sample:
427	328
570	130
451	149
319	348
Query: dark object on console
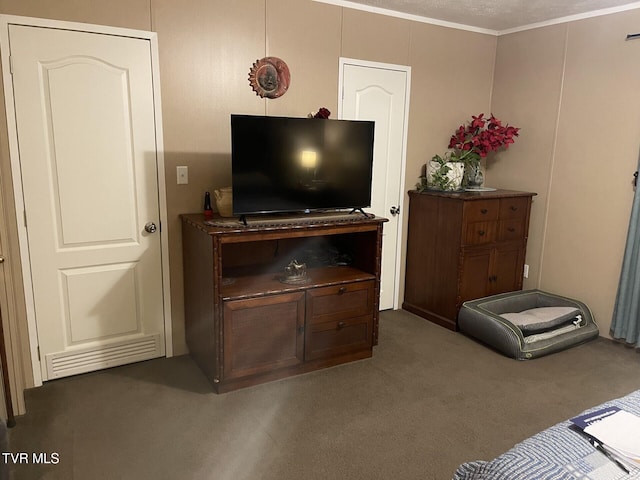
504	322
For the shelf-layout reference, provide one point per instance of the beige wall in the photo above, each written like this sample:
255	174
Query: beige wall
206	49
573	89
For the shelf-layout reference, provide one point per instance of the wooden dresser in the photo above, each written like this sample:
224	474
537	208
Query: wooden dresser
245	325
463	246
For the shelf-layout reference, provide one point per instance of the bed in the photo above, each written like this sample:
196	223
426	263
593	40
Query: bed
557	453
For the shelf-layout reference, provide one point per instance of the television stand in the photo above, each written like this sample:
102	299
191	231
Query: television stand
246	323
268	220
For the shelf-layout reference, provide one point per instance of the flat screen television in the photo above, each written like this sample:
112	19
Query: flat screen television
283	164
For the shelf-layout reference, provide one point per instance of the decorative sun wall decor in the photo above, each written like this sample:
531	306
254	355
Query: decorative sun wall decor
269	77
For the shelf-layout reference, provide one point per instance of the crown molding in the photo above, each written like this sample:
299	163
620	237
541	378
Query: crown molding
573	18
470	28
407	16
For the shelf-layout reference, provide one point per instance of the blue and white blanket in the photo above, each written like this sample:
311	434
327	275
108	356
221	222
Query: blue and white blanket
557	453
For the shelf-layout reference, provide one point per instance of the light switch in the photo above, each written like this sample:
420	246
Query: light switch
182	174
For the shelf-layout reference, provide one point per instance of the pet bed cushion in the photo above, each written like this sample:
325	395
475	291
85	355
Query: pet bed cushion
536	320
528	324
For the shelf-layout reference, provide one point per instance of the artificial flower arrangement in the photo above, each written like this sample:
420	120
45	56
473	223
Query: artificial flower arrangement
467	145
322	113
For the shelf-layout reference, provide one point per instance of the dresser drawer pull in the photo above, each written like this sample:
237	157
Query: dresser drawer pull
484	211
342	290
511	229
341	325
481	233
514	208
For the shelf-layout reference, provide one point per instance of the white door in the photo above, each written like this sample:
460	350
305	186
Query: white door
85	124
380	92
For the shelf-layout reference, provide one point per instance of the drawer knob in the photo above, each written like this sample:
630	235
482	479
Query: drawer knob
341	290
513	208
341	325
481	233
484	211
511	229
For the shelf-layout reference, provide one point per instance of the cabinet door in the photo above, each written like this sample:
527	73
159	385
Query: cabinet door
491	271
508	262
263	334
339	320
475	274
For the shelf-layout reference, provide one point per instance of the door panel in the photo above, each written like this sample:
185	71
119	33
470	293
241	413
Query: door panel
247	323
86	131
82	293
103	159
476	267
507	268
380	94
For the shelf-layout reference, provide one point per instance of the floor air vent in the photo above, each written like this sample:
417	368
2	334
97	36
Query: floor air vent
105	356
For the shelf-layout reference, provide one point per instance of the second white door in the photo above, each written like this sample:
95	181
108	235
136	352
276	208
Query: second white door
380	93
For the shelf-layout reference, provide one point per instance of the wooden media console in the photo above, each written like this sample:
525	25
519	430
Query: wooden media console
247	324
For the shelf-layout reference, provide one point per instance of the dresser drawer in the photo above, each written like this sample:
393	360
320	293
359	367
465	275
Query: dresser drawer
478	233
327	304
481	210
511	230
512	208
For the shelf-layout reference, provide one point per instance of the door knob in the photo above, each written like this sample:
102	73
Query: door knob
1	259
394	210
150	227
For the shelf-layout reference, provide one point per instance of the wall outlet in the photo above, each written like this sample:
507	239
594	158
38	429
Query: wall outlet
526	271
182	174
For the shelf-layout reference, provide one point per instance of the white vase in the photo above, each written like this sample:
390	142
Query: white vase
454	175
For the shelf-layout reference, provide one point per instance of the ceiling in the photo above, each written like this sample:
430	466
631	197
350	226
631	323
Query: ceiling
495	15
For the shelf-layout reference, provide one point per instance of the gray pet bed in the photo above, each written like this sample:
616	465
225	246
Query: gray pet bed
528	324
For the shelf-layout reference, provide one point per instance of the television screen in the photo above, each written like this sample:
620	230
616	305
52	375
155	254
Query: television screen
282	164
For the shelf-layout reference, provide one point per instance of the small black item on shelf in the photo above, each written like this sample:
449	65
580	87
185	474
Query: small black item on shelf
343	259
208	212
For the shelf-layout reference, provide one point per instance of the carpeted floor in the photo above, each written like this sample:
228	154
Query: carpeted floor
428	400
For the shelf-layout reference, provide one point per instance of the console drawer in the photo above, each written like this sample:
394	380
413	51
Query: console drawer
328	339
338	302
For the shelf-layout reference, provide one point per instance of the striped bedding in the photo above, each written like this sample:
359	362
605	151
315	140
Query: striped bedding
557	453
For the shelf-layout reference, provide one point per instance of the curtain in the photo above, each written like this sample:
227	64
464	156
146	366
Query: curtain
625	325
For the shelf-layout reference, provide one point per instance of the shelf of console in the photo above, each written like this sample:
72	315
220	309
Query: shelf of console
257	285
